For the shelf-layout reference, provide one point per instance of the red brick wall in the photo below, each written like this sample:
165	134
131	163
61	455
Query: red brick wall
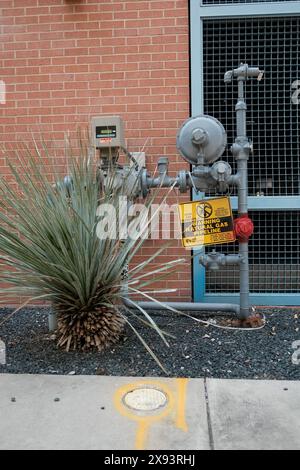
64	61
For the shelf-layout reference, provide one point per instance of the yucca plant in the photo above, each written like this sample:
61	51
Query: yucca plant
50	245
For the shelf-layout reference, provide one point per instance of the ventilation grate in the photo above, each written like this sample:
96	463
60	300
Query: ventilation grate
273	124
274	256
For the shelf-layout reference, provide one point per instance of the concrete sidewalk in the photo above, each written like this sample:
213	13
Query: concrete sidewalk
119	413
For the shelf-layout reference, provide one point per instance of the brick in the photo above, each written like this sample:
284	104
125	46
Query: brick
150	14
63	94
87	93
88	60
126	32
76	51
112	41
62	77
64	8
26	19
167	4
88	42
138	5
126	15
129	66
51	86
101	16
113	6
117	25
63	60
86	25
97	33
38	94
78	68
165	39
63	44
73	85
151	65
27	70
156	22
27	55
165	56
37	10
39	45
116	92
62	26
176	13
75	17
137	91
97	51
139	40
126	50
138	23
75	35
167	73
6	3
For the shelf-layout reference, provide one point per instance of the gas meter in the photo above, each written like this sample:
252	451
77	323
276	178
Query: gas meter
108	138
108	135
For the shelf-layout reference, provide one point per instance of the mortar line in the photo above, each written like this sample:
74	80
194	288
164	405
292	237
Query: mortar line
209	422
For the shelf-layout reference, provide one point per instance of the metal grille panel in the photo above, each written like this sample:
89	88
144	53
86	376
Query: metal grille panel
271	44
274	256
273	114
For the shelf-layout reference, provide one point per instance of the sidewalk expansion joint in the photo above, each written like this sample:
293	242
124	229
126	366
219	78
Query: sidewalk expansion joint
209	423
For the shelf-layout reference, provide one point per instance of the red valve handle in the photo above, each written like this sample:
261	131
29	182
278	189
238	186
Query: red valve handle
243	227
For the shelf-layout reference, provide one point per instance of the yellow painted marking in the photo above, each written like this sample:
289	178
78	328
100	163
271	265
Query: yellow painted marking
181	404
175	405
141	435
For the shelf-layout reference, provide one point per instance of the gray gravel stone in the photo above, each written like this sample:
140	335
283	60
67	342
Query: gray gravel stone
232	354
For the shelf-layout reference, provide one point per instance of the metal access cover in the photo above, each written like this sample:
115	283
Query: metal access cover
145	399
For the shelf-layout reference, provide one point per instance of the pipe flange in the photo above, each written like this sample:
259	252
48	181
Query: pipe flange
182	181
144	183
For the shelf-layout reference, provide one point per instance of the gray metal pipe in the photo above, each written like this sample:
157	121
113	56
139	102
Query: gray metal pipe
186	306
242	166
52	322
164	181
243	246
244	282
215	260
241	109
242	155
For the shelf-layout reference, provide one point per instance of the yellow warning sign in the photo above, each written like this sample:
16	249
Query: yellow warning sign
206	222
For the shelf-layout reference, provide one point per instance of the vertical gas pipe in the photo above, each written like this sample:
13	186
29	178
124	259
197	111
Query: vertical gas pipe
241	150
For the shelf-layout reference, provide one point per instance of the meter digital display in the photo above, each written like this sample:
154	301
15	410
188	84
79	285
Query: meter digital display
106	132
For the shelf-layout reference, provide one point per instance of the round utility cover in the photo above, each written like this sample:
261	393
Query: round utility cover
203	134
145	399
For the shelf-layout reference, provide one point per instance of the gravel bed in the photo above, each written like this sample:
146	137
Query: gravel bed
197	350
